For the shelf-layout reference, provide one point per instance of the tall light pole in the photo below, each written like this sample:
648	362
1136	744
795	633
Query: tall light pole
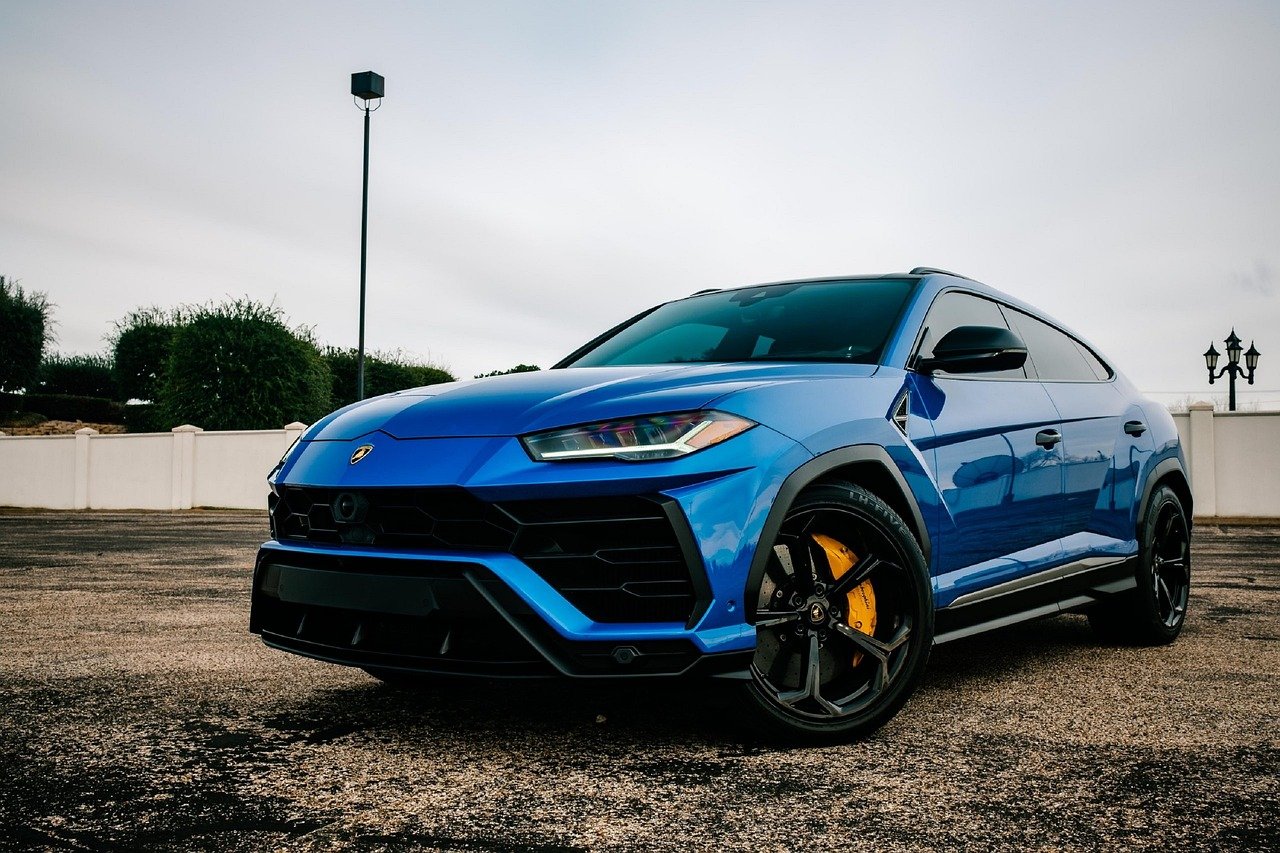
1232	367
365	86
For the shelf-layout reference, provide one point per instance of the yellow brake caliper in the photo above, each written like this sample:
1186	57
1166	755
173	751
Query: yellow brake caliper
861	615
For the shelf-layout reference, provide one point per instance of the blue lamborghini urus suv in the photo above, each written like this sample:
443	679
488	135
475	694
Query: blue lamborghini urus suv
800	487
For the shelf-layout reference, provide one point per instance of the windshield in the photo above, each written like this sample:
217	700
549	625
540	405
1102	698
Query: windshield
846	321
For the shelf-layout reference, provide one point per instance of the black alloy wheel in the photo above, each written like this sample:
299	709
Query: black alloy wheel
1171	565
844	617
1154	612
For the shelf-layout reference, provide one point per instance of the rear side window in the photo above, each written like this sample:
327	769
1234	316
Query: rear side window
953	309
1057	356
1100	370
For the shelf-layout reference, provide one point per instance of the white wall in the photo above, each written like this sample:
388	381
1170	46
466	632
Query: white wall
1247	464
181	469
220	458
130	471
1234	460
39	471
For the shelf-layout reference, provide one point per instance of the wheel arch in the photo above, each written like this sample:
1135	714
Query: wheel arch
865	465
1169	473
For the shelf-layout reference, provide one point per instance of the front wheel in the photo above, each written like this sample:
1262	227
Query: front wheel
844	618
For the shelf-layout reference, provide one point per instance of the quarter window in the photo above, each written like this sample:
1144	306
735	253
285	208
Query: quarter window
1100	370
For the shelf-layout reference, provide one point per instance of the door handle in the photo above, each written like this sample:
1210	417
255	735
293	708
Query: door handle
1135	427
1047	438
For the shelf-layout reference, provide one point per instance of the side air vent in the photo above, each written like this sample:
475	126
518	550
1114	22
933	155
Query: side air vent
899	416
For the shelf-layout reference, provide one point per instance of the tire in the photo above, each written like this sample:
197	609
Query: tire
1154	612
844	619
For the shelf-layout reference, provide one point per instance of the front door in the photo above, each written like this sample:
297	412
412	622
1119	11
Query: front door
996	456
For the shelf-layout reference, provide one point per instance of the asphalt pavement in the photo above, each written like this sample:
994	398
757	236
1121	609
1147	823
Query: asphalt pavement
137	712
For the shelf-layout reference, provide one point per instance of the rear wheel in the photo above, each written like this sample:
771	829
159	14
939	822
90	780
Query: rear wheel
844	618
1153	613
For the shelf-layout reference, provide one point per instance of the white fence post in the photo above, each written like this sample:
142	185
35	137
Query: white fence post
80	493
1204	485
291	433
184	464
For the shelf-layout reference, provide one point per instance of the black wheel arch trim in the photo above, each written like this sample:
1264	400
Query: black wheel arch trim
812	472
1162	469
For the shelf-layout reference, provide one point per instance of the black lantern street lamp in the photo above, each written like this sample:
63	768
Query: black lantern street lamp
365	86
1232	367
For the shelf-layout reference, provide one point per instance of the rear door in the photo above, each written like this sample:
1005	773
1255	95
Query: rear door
1099	455
1001	481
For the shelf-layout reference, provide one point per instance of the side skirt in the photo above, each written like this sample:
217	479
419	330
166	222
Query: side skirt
1047	593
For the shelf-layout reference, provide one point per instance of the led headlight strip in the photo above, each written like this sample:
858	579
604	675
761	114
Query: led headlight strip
637	439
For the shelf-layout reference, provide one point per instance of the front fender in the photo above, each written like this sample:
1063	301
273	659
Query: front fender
814	470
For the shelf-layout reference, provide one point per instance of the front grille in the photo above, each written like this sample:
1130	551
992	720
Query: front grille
461	634
476	625
617	559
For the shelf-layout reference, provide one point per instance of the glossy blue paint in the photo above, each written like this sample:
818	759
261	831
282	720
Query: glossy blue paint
1002	492
996	506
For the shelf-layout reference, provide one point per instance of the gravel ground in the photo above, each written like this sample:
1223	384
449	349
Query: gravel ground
136	712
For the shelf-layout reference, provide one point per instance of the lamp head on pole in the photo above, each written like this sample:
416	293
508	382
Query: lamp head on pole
1211	358
1251	357
1233	348
368	86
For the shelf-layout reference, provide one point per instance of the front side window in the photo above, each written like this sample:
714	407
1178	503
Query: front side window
953	309
835	321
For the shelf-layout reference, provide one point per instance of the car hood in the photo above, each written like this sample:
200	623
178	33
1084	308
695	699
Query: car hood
519	403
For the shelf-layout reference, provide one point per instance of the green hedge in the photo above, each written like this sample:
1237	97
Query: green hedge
240	366
146	417
519	368
78	375
383	373
65	407
141	346
24	333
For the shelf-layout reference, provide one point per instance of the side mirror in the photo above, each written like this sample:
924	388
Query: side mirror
975	349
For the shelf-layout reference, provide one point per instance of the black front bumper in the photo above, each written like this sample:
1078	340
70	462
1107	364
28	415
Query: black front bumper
439	617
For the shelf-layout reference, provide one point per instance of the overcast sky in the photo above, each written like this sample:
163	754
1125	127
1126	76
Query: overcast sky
541	171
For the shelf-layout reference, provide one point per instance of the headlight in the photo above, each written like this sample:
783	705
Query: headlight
637	439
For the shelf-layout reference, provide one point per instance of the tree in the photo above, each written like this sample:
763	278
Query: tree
384	372
141	345
79	375
239	365
25	331
519	368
